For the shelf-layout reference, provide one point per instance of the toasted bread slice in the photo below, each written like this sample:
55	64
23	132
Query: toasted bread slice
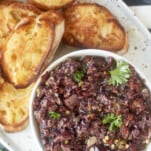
29	47
93	26
11	13
50	4
14	106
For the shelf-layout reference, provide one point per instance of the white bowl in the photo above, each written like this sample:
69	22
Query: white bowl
79	53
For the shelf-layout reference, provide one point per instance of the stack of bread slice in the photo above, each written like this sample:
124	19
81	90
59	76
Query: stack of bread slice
28	41
29	46
88	25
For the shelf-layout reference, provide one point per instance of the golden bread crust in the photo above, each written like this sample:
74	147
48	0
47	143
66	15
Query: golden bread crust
14	106
93	26
11	13
50	4
17	127
7	2
54	16
27	8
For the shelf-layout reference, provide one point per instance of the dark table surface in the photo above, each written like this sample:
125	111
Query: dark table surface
138	2
130	3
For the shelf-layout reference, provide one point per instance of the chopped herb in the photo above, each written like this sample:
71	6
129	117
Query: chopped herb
84	66
121	74
114	121
54	115
78	76
50	139
60	149
109	118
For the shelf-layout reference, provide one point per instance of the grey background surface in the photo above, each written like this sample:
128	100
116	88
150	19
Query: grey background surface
138	2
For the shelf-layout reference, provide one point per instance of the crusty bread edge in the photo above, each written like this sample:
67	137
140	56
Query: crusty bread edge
120	51
68	8
59	26
44	7
125	47
26	6
7	2
16	127
58	35
20	4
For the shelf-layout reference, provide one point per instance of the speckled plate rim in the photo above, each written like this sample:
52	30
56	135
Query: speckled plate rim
14	142
78	53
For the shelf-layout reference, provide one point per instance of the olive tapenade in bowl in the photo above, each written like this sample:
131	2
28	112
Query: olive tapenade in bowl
91	100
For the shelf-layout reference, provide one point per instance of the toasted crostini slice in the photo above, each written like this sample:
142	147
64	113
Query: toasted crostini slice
93	26
11	13
29	48
14	106
50	4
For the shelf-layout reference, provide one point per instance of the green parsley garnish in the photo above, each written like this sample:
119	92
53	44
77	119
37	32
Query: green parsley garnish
121	74
114	121
79	74
54	115
60	149
84	66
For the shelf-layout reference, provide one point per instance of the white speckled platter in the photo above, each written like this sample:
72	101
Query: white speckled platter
139	54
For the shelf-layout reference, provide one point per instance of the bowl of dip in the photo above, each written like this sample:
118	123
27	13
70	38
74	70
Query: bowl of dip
91	100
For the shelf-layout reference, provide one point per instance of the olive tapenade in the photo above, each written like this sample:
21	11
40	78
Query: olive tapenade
93	104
